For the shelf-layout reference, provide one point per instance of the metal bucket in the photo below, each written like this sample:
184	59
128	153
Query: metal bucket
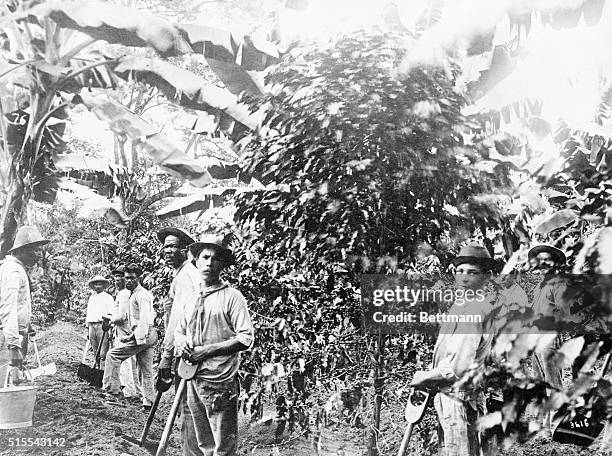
17	406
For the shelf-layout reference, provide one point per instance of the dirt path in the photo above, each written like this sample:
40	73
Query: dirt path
70	409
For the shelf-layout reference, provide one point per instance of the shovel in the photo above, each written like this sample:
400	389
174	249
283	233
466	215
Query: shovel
48	369
415	409
92	375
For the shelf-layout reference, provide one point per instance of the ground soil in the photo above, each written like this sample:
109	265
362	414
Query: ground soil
71	409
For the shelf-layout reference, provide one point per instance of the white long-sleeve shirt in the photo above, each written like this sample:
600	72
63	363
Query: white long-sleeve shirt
184	288
99	305
15	300
141	315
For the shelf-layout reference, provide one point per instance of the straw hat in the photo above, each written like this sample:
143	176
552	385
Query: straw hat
96	279
180	234
28	236
214	242
557	254
474	254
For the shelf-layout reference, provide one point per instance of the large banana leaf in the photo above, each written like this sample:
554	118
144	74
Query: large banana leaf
231	57
115	24
190	90
147	138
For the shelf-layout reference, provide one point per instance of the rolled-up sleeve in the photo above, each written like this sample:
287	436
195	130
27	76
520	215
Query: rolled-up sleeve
9	286
241	320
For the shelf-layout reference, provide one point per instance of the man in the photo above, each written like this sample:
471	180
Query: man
127	374
212	331
550	299
459	346
99	312
16	301
185	284
140	341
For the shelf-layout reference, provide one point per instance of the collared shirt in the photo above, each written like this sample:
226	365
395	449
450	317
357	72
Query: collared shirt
222	316
121	309
514	297
141	315
99	305
184	288
15	299
551	296
461	345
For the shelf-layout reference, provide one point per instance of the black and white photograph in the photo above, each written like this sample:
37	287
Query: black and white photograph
306	227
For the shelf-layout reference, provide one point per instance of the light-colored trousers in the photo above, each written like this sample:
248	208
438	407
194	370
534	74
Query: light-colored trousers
95	336
213	430
458	430
144	359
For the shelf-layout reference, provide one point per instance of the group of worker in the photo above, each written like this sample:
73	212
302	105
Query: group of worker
207	323
459	349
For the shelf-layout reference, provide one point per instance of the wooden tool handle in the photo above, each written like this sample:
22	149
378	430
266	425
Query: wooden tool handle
145	431
163	442
404	446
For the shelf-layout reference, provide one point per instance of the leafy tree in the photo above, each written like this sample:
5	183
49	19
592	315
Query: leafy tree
360	165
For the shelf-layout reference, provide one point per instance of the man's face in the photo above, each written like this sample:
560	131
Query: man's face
173	254
469	276
119	281
131	280
28	255
546	262
209	264
98	287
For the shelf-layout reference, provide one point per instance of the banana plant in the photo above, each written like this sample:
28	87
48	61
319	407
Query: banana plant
51	51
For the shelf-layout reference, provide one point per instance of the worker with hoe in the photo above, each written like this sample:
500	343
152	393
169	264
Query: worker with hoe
185	285
458	347
16	302
140	342
98	316
214	327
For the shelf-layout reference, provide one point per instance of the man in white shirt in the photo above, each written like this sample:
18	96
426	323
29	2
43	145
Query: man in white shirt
15	301
185	284
140	342
99	312
128	372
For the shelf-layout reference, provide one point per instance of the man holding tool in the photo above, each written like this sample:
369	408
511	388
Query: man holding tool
211	332
456	350
99	312
140	342
16	301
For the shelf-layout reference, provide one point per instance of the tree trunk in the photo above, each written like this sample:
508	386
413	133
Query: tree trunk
12	208
379	384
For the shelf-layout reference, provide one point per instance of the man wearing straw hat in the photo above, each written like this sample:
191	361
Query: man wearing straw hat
99	313
15	301
457	349
213	329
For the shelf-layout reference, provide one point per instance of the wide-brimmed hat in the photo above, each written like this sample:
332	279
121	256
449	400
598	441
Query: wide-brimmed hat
557	254
183	237
28	236
474	254
214	242
98	278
